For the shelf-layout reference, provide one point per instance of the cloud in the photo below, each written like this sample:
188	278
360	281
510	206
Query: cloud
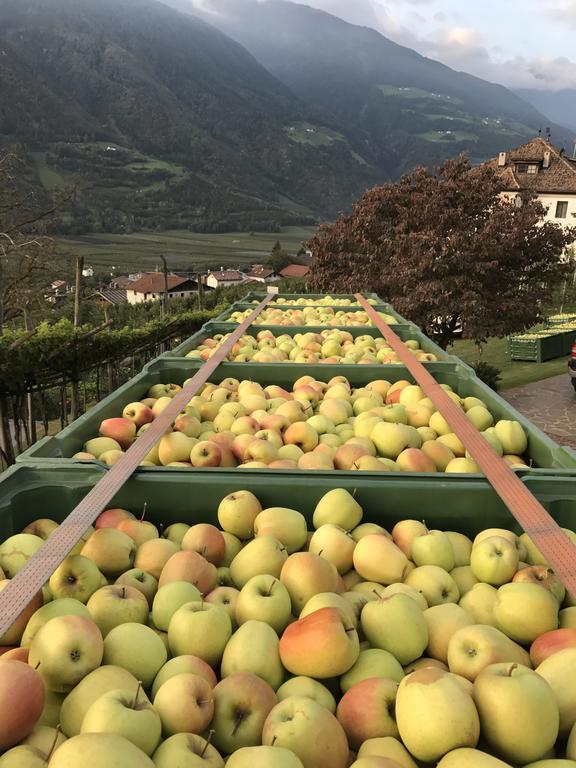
564	11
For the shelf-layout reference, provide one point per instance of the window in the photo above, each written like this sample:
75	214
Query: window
533	168
561	209
521	167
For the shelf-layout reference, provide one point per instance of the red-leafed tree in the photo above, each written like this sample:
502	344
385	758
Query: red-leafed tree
445	249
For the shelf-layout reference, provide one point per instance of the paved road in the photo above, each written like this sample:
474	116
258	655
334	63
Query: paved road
550	404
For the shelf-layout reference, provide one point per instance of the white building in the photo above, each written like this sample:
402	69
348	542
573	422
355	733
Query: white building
224	278
540	167
261	274
150	287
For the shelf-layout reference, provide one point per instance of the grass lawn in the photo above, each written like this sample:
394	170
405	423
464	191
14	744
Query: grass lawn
514	373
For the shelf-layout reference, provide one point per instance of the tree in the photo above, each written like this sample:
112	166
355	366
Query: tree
446	248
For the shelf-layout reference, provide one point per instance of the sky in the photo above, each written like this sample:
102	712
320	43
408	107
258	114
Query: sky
519	43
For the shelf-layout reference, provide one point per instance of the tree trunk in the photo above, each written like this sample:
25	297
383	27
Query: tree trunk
5	434
30	419
78	293
16	422
43	411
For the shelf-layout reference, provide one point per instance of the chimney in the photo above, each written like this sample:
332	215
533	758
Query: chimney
502	159
546	161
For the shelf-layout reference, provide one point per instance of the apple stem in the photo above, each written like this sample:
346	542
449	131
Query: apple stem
208	740
270	588
512	668
144	510
123	592
37	665
137	694
237	723
53	747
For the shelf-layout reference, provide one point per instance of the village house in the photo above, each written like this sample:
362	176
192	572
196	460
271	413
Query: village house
295	271
261	274
225	278
150	287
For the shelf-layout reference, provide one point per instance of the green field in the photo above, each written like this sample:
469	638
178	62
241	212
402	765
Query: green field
317	136
141	251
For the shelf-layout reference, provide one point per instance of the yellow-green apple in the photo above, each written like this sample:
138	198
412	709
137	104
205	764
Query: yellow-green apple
434	714
372	663
111	457
322	644
439	453
99	445
144	582
439	424
119	646
523	611
114	605
333	600
242	702
100	750
237	512
128	714
390	439
83	456
550	643
138	530
461	546
545	577
377	558
471	758
122	430
453	442
181	665
479	602
188	425
232	545
511	436
76	577
111	550
473	648
286	525
60	607
366	711
152	555
310	688
435	583
405	532
504	688
309	730
261	450
200	629
254	648
225	596
264	757
480	417
370	464
187	749
462	465
43	527
206	454
396	624
159	405
191	567
51	713
22	701
464	578
16	550
137	412
335	544
65	650
264	598
433	548
559	671
567	617
207	540
443	622
163	390
44	737
301	434
17	630
418	415
185	704
264	555
533	554
365	529
305	574
394	589
494	560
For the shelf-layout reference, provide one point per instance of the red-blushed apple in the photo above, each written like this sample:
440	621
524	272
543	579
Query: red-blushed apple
185	704
473	648
119	646
188	425
187	749
185	664
405	532
309	730
138	530
100	750
111	517
200	629
225	597
206	454
366	711
377	558
347	455
264	555
152	555
242	703
541	574
191	567
120	429
142	581
320	645
16	631
305	574
207	540
21	701
550	643
139	413
111	550
114	605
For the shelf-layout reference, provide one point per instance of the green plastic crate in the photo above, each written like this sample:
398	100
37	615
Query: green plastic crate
538	349
240	307
545	453
465	505
259	295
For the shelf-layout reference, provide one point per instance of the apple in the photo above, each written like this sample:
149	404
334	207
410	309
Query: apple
225	596
76	577
366	710
439	453
237	513
254	648
22	701
187	749
16	550
99	445
550	643
305	574
372	663
264	598
494	560
443	621
306	686
461	546
152	556
111	550
65	650
434	714
479	602
16	631
114	605
504	688
128	714
559	671
191	567
185	704
184	664
433	548
511	436
524	611
471	758
169	598
390	439
122	430
286	525
138	413
435	583
396	624
334	544
477	646
242	702
262	556
200	629
464	578
100	750
541	574
176	532
264	757
346	608
377	558
309	730
142	581
207	540
43	528
119	646
405	532
337	507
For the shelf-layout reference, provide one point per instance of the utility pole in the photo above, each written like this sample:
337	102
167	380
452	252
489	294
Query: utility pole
74	391
164	310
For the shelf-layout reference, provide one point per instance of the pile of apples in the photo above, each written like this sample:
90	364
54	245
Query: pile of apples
313	316
329	346
266	645
317	426
325	301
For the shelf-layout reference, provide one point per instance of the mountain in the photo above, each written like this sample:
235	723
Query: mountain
160	120
560	106
396	107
